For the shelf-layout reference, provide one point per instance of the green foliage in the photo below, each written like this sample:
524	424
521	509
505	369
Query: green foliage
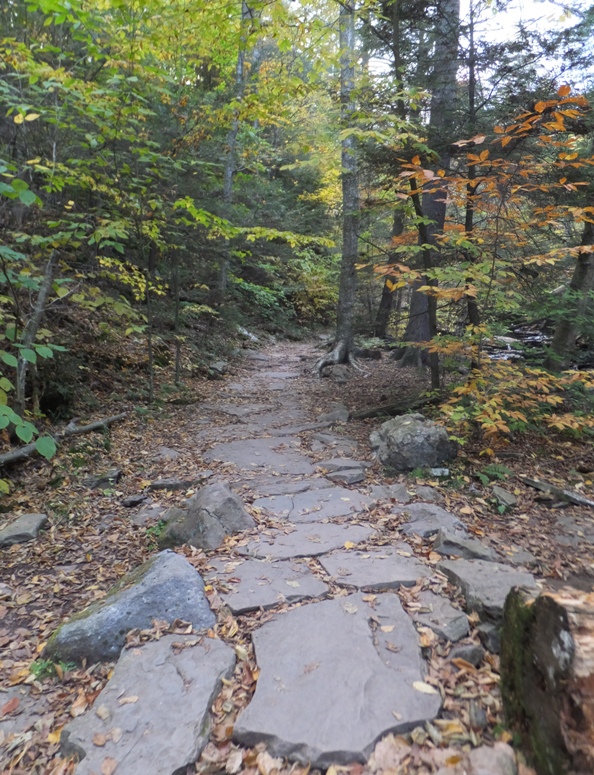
494	472
48	668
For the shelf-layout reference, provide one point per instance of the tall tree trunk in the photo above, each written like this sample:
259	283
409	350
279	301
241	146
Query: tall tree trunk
350	196
442	129
231	151
384	310
580	286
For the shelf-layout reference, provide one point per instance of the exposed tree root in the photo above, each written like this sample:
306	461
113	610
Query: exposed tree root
340	354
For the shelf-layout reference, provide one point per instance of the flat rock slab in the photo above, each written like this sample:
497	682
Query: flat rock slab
342	464
154	713
165	587
243	410
30	707
24	528
485	585
388	567
283	485
272	454
439	614
306	540
389	492
254	584
331	684
426	519
456	543
314	505
281	374
348	476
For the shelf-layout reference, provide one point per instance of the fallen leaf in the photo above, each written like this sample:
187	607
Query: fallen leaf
387	628
425	688
11	705
99	739
266	764
348	544
116	734
79	705
103	712
234	762
54	737
350	608
397	716
293	583
128	700
108	766
466	510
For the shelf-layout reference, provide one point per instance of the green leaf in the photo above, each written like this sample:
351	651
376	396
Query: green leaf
9	359
46	446
25	432
28	355
6	384
43	351
27	197
4	487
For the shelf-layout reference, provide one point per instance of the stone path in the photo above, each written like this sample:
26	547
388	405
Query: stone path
340	658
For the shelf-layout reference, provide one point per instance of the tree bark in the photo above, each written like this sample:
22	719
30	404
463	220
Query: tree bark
343	342
384	310
547	673
580	286
30	332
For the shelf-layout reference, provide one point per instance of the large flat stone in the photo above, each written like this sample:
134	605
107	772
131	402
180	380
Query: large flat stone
262	453
388	567
254	584
243	410
283	485
153	715
439	614
165	587
342	464
485	585
456	543
314	505
281	374
24	528
388	492
332	683
426	519
306	540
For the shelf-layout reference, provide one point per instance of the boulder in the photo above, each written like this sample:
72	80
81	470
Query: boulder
165	587
153	715
427	519
207	518
411	441
24	528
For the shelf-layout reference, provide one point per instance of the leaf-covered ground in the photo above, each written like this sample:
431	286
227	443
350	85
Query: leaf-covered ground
91	542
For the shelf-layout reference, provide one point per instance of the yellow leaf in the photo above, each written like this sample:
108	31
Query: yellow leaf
416	160
348	544
424	688
387	628
499	130
540	106
563	91
54	737
31	116
38	159
128	700
19	118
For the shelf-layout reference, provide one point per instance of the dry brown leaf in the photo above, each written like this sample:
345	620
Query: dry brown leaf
128	700
424	688
266	764
8	707
99	739
103	712
116	734
108	765
234	762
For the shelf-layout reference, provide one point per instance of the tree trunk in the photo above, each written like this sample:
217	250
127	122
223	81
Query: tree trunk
231	152
384	310
441	132
30	332
350	196
547	673
580	286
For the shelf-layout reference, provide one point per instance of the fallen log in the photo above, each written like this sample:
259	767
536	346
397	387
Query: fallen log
22	453
567	495
547	677
395	408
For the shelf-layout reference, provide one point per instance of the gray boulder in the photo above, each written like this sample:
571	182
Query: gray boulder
24	528
411	441
166	587
153	715
207	518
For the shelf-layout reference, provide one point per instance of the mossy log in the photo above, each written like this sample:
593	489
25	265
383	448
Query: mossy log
547	675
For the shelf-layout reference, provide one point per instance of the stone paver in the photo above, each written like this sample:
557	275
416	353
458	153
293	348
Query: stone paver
306	540
24	528
425	519
456	543
314	505
283	485
388	492
388	567
278	455
254	584
330	685
440	615
485	585
153	715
